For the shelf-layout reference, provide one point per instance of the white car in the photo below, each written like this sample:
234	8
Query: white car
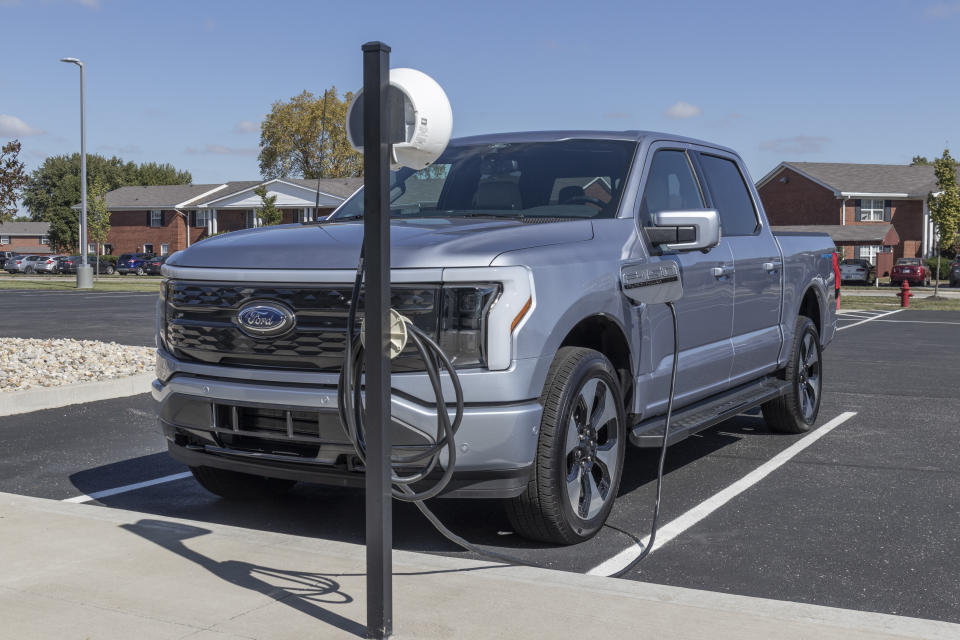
857	271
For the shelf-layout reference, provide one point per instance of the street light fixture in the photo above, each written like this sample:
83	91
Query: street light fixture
84	270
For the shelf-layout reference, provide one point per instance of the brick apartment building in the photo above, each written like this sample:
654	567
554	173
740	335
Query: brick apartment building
164	219
27	238
873	211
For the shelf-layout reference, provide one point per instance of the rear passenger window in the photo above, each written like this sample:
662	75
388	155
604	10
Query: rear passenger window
730	196
671	185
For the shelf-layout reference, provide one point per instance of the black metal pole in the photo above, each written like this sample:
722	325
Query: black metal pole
376	231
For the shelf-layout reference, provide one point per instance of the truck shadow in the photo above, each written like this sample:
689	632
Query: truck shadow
307	592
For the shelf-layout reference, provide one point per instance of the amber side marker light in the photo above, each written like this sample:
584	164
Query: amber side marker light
523	312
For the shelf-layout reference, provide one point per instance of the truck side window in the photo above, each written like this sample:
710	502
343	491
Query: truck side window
671	185
738	217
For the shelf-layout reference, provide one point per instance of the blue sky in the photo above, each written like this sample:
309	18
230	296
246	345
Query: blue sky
189	82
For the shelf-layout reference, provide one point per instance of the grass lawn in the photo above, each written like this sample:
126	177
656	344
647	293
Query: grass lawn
889	303
70	284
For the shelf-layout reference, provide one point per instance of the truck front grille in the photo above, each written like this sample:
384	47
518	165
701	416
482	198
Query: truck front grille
201	324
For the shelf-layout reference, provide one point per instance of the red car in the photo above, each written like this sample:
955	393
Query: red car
912	270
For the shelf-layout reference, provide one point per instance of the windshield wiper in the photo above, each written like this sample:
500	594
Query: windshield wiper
479	214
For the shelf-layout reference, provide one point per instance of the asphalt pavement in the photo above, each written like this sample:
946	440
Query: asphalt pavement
865	518
121	317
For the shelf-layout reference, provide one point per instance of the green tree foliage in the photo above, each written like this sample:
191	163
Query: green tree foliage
268	213
921	161
54	188
13	178
307	137
945	206
98	217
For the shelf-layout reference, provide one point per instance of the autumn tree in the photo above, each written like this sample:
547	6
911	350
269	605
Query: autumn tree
268	213
945	206
13	178
307	137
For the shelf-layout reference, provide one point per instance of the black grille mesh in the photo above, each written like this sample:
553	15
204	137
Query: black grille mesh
201	324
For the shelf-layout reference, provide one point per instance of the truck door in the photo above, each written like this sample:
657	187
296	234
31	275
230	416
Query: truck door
706	309
757	266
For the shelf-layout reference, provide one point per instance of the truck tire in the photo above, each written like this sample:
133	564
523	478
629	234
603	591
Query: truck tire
796	411
580	451
233	485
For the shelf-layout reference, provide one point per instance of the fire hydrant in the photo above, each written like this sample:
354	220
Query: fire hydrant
905	294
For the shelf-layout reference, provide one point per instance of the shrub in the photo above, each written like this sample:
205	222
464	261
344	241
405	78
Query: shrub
944	267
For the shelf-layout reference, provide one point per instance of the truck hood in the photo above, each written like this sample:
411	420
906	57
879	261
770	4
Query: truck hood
421	243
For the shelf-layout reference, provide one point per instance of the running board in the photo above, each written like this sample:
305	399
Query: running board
697	417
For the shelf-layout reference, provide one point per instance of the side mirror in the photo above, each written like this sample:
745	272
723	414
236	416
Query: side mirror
698	229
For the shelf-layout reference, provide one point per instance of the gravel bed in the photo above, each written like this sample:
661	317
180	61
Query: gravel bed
32	362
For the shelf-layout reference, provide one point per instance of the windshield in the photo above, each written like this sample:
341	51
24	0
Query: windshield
564	179
912	261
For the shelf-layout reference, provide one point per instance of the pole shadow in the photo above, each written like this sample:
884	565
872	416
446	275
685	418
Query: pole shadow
307	592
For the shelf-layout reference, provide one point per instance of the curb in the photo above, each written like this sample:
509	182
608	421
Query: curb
37	399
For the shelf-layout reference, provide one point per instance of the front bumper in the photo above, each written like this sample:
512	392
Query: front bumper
205	422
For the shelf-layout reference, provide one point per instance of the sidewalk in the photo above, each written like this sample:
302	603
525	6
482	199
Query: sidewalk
83	571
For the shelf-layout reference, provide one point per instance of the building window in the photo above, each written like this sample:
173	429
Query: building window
304	215
148	248
871	210
44	239
201	218
4	239
164	249
108	249
92	248
869	252
156	218
251	220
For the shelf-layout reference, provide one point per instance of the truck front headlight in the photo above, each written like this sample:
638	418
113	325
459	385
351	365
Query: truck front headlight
463	322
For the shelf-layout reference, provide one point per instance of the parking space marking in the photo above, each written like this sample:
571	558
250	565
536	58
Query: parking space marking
675	527
106	493
873	319
917	322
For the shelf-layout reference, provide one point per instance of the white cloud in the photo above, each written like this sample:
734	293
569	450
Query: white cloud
683	109
219	149
942	10
795	144
246	126
14	127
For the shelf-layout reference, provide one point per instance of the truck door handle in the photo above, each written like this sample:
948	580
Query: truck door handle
772	266
719	272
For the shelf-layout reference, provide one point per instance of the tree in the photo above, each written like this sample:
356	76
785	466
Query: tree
98	217
945	206
919	161
54	188
268	214
307	137
13	178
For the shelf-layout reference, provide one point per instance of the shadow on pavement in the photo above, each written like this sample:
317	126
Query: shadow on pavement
307	592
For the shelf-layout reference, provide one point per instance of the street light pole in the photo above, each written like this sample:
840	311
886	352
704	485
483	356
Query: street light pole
84	271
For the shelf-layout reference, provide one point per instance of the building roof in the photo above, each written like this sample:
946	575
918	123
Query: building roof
24	228
156	197
342	187
855	180
874	233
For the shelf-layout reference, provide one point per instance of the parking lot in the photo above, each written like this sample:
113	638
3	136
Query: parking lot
862	513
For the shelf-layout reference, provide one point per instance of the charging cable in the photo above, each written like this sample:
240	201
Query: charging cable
351	410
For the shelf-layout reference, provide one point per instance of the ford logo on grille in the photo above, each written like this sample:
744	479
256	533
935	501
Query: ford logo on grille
265	319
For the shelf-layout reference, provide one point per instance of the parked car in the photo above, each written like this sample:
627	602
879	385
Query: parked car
6	255
153	265
47	264
12	262
133	263
912	270
29	263
529	294
857	271
955	272
69	264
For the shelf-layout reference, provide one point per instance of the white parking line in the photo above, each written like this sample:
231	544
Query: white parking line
674	528
873	319
129	487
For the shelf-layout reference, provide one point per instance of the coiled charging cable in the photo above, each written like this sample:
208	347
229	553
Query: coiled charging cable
351	410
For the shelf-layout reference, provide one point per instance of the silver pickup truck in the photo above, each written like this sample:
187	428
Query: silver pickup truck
511	252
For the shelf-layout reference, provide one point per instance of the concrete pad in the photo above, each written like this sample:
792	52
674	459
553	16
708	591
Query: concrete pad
86	571
40	398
